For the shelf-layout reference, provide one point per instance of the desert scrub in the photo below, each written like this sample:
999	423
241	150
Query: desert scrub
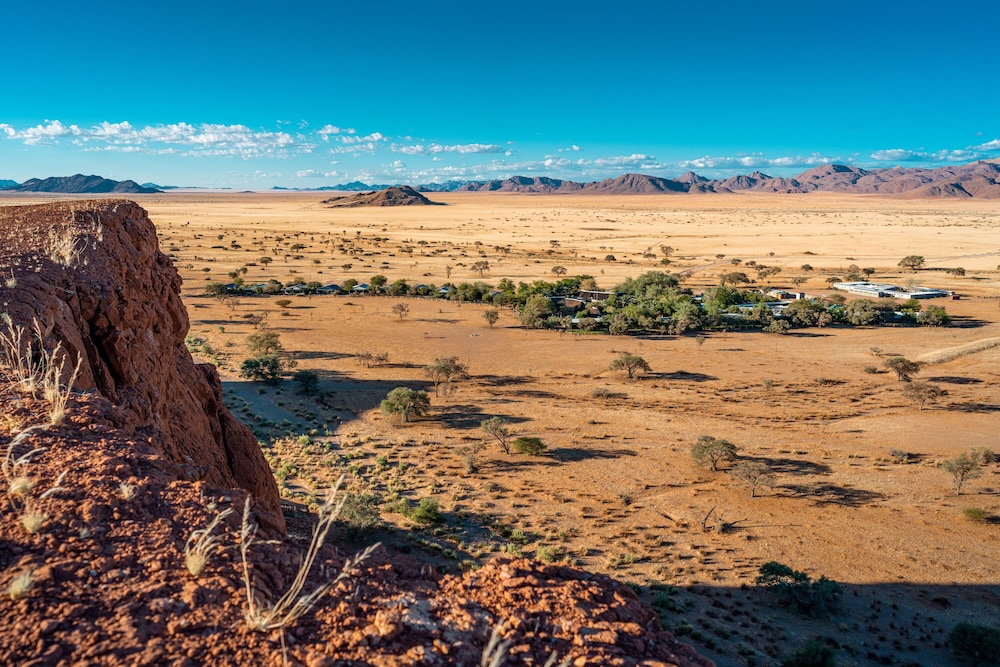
529	445
976	514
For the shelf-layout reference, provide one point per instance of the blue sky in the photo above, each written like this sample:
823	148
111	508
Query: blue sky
308	94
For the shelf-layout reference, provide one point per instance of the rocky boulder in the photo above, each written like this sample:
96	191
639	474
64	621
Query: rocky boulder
91	274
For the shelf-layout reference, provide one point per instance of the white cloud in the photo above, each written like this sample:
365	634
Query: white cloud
988	146
50	131
903	155
436	148
573	148
308	173
760	161
328	130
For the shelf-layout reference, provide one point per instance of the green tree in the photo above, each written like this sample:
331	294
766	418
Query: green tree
215	289
559	271
377	281
496	428
535	309
796	590
405	403
980	644
482	266
711	451
734	278
961	468
903	367
307	381
264	342
631	364
934	316
912	262
265	260
446	370
266	368
492	316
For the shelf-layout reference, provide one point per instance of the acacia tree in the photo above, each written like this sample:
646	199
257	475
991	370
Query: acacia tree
401	309
496	428
962	468
903	367
405	403
711	451
492	316
753	474
922	393
631	364
482	266
446	370
559	270
912	262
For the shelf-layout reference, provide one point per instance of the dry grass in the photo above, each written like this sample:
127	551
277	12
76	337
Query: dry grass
201	544
952	353
21	585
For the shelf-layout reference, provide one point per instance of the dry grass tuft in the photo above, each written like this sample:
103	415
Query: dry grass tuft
21	584
262	616
200	545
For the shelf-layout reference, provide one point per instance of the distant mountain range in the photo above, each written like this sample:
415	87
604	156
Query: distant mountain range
977	179
79	184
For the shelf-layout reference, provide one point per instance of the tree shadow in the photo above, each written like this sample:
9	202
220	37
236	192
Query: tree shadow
977	408
571	454
318	354
504	380
833	494
954	379
684	376
806	334
792	466
506	464
966	322
461	416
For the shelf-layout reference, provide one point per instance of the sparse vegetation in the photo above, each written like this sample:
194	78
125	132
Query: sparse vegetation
631	364
201	544
962	468
712	451
496	428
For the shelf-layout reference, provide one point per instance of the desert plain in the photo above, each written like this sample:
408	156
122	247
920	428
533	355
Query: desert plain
858	493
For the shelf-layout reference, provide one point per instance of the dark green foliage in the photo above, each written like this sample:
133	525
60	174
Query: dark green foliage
980	644
307	381
264	368
529	445
360	511
426	512
797	591
711	451
814	653
903	367
405	403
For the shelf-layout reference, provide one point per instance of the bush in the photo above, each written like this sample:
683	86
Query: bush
976	514
264	368
405	403
978	643
529	445
307	381
711	451
360	511
814	653
426	512
797	591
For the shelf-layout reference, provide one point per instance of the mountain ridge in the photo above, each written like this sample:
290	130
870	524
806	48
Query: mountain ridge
80	184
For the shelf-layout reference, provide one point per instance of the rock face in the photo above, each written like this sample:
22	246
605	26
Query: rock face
93	277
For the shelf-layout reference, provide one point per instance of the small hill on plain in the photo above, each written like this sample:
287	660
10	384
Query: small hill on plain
403	195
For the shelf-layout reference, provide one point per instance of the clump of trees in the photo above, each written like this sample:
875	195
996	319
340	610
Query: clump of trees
268	361
798	591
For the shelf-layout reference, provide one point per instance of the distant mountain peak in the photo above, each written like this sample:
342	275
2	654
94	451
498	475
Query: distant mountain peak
80	184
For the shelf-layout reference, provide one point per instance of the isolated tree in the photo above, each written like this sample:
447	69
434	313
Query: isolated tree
307	381
753	474
711	451
401	309
903	367
469	455
496	428
405	403
631	364
734	278
265	260
266	368
963	467
482	266
492	316
446	370
922	393
283	303
264	342
528	445
912	262
559	271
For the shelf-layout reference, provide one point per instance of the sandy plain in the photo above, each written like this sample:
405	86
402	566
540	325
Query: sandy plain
618	490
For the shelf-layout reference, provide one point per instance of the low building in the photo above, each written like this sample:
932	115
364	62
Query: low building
885	290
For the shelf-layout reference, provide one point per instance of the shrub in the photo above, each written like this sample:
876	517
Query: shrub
264	368
360	511
426	512
976	514
978	643
797	591
529	445
711	451
405	403
814	653
307	381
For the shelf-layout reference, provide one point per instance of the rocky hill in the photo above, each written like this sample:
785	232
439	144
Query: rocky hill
80	184
6	184
100	504
403	195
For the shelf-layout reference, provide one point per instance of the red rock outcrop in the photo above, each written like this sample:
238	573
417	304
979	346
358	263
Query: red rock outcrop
93	277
